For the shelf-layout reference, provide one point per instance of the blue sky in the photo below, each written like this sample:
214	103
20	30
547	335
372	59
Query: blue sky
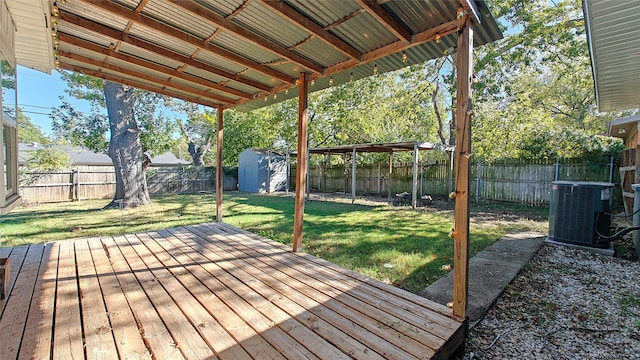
38	92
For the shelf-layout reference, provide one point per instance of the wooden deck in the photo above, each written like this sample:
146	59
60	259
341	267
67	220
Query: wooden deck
205	292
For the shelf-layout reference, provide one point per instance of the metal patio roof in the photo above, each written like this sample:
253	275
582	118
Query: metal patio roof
246	54
613	33
378	147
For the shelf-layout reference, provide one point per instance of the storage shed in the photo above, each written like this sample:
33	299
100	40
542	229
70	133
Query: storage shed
261	171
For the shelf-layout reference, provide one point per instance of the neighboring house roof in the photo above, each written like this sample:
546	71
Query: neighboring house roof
81	156
614	43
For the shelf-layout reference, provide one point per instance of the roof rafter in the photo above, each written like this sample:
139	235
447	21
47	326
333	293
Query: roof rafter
263	43
136	74
419	38
298	18
118	36
72	40
344	19
128	14
380	14
139	85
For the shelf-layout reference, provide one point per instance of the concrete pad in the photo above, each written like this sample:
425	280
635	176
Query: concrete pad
608	251
490	271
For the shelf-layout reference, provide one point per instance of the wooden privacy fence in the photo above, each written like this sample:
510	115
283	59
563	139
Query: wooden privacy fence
514	181
98	182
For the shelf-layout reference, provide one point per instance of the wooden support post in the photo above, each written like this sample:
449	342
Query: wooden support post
301	169
464	66
414	187
389	178
219	171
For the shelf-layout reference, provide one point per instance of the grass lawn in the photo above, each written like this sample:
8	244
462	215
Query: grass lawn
397	245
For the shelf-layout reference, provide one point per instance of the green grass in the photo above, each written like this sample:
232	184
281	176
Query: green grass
396	245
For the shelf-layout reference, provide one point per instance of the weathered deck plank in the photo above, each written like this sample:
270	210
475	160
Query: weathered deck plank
98	337
205	292
15	313
36	341
124	326
67	332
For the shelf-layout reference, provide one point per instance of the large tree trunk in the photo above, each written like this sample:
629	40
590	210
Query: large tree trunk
125	149
196	151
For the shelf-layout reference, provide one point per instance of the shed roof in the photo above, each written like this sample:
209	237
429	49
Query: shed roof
614	43
622	128
379	147
242	53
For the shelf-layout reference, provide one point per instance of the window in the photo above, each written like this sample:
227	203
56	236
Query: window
9	155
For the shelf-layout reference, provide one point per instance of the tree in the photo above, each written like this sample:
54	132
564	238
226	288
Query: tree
137	130
28	132
199	130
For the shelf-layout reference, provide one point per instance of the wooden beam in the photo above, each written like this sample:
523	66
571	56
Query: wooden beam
136	84
464	68
118	36
71	40
301	168
396	47
162	83
219	167
141	5
344	19
300	19
258	41
383	17
238	10
170	31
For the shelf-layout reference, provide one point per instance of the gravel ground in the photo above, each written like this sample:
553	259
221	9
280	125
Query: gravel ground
565	304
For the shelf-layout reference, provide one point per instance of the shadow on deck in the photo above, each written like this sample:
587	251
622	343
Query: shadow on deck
205	292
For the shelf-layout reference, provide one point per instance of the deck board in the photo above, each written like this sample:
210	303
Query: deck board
37	336
210	291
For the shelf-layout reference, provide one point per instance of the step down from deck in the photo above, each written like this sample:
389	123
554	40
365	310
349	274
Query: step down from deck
5	264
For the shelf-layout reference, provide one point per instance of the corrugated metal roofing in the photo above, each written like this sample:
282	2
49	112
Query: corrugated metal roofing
171	15
613	32
256	48
364	33
258	19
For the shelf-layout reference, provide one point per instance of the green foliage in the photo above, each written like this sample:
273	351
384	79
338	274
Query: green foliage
78	129
542	143
47	159
157	132
28	132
